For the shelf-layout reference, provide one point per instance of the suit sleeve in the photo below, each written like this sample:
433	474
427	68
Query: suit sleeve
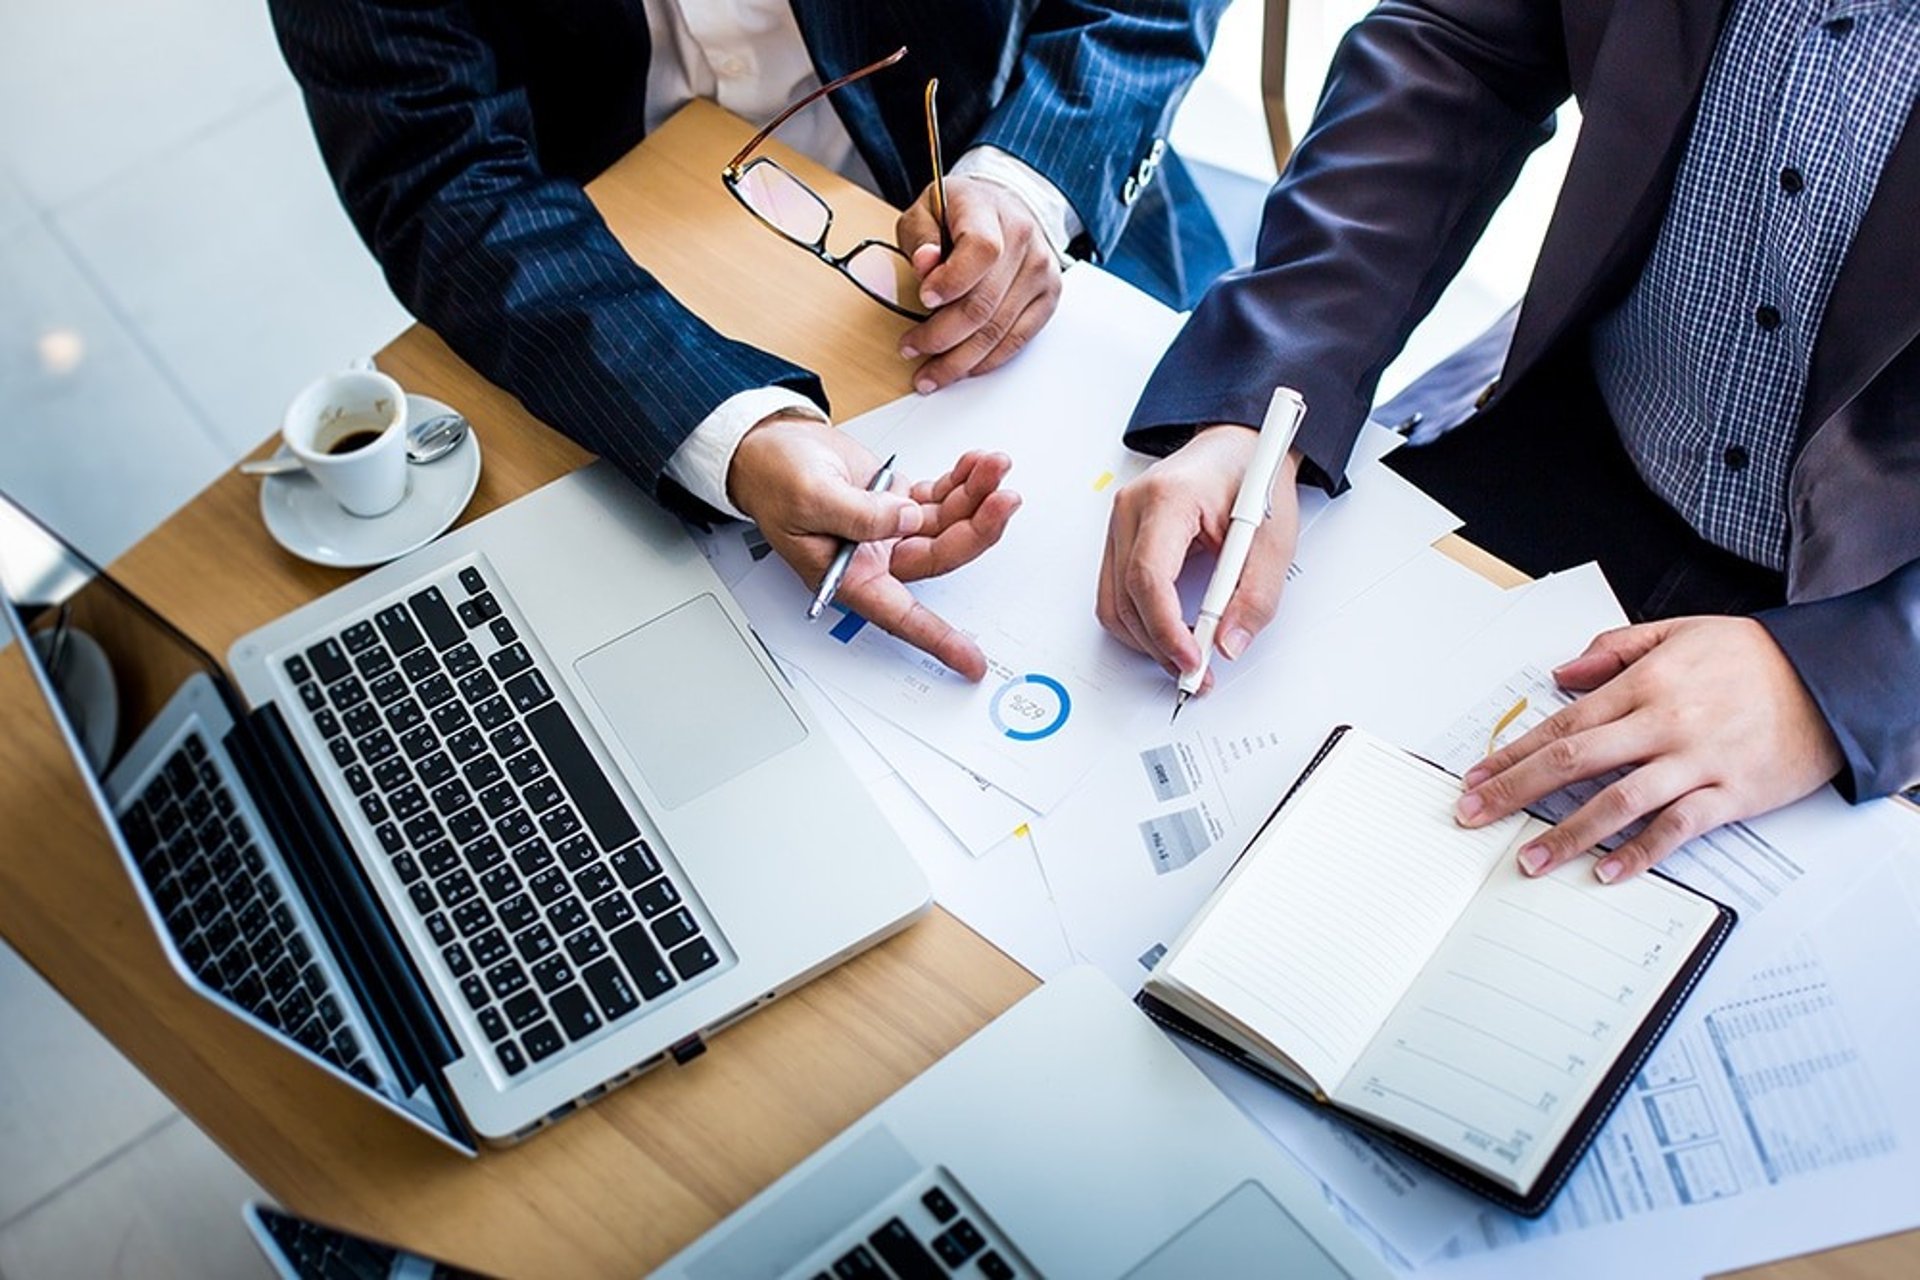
1429	110
1859	656
1094	88
435	159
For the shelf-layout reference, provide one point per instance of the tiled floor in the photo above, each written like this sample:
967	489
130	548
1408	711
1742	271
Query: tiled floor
173	265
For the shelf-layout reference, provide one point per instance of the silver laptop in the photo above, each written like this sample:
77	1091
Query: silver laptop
488	830
298	1249
1069	1138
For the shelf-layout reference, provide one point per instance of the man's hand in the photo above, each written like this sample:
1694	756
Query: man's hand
1709	713
1183	501
804	483
994	291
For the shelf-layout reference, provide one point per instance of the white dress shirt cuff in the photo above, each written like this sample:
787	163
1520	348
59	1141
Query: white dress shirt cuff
701	463
1058	222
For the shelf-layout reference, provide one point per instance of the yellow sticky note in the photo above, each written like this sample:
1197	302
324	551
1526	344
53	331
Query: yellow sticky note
1106	478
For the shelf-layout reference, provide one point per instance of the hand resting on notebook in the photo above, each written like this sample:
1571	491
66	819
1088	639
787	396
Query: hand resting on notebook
1709	711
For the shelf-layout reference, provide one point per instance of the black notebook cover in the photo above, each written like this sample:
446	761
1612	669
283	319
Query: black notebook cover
1586	1126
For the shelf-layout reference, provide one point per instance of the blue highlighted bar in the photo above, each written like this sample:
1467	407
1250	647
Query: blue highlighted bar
848	627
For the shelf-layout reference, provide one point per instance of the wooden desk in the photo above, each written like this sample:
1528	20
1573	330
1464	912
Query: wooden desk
622	1185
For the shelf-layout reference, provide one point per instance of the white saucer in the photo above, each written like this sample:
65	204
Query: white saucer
304	520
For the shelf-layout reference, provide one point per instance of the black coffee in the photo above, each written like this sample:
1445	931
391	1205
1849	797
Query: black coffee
353	442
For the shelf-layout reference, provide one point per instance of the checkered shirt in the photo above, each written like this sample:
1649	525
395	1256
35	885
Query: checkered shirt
1704	366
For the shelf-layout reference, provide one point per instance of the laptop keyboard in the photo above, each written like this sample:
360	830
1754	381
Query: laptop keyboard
226	909
551	912
930	1229
320	1253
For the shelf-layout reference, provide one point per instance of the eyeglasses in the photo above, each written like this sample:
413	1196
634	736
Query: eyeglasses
788	206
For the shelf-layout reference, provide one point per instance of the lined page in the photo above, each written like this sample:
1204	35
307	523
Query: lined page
1531	999
1325	923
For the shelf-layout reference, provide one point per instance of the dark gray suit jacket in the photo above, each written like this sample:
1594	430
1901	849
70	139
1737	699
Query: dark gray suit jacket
1428	112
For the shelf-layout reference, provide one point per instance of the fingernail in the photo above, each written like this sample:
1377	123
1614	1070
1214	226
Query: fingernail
930	299
1234	641
1533	859
909	519
925	386
909	353
1469	807
1609	871
1476	775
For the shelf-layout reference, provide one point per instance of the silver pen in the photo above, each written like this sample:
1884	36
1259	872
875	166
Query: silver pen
830	585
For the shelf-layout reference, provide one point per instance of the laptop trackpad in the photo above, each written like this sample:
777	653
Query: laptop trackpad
689	701
1246	1234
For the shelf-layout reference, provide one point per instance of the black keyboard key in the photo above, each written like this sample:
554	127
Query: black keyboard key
694	958
467	825
553	973
940	1205
406	868
517	912
535	944
282	919
574	1012
506	978
502	629
580	772
510	742
636	951
524	1010
515	828
419	665
609	986
656	897
377	746
297	670
478	686
466	744
422	896
510	661
397	625
492	1024
434	691
281	979
388	689
474	990
459	964
408	802
439	858
857	1264
490	948
485	854
483	773
348	693
373	807
455	888
542	1041
550	886
374	662
296	1009
498	798
528	690
423	830
451	797
430	607
359	636
532	857
542	795
404	715
362	720
565	915
480	610
329	661
435	769
586	945
392	775
674	928
612	911
635	864
594	881
512	1061
470	579
312	698
390	838
419	743
493	713
958	1243
342	751
578	852
502	882
327	723
526	767
439	928
452	718
462	659
472	917
559	823
901	1250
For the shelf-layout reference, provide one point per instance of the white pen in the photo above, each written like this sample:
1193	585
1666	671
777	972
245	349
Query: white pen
1251	507
830	585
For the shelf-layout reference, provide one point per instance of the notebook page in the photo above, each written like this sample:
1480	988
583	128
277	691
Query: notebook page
1528	1003
1328	920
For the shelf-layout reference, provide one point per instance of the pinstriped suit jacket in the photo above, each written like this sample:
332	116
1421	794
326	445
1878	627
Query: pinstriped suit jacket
459	133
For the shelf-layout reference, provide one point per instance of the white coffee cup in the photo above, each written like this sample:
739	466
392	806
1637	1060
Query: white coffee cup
349	430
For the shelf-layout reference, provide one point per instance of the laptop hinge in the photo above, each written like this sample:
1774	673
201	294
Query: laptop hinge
358	928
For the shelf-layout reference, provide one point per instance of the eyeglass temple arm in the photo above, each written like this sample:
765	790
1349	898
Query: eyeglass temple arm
733	165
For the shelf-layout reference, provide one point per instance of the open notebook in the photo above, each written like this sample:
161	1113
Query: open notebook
1370	953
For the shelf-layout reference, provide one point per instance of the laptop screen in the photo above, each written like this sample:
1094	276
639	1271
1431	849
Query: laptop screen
113	664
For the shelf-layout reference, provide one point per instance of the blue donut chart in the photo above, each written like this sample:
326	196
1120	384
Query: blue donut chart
1052	686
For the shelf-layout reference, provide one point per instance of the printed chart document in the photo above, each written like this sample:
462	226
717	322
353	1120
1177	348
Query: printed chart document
1369	952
